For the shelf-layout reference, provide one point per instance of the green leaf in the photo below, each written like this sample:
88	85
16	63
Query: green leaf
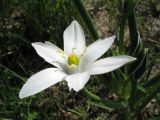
152	87
126	90
138	48
117	82
128	6
138	68
1	35
131	5
152	61
79	112
141	69
121	3
13	73
101	102
32	115
153	82
149	97
141	88
59	3
100	105
153	118
91	95
5	118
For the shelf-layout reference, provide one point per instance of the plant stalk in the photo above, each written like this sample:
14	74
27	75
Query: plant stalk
127	113
133	30
134	40
121	32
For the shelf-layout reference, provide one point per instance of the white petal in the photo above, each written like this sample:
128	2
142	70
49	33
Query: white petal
77	81
96	50
62	66
108	64
49	43
72	69
40	81
74	39
49	52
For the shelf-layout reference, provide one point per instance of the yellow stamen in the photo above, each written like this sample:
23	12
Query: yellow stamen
73	59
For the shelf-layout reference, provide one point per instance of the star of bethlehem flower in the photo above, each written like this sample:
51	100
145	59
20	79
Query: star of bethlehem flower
75	64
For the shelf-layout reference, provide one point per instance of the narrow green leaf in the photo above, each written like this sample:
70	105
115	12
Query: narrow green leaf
133	32
121	33
5	118
153	82
153	118
106	103
141	88
141	69
117	82
79	112
138	68
149	97
13	73
91	95
126	90
152	61
100	105
152	87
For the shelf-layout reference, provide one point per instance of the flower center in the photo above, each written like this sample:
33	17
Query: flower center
73	59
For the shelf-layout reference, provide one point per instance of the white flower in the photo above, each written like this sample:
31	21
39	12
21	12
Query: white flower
75	64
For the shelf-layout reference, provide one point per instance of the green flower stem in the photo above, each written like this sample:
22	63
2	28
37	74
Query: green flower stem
127	113
133	30
134	40
121	32
86	18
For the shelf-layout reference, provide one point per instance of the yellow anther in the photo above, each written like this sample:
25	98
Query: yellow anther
73	59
